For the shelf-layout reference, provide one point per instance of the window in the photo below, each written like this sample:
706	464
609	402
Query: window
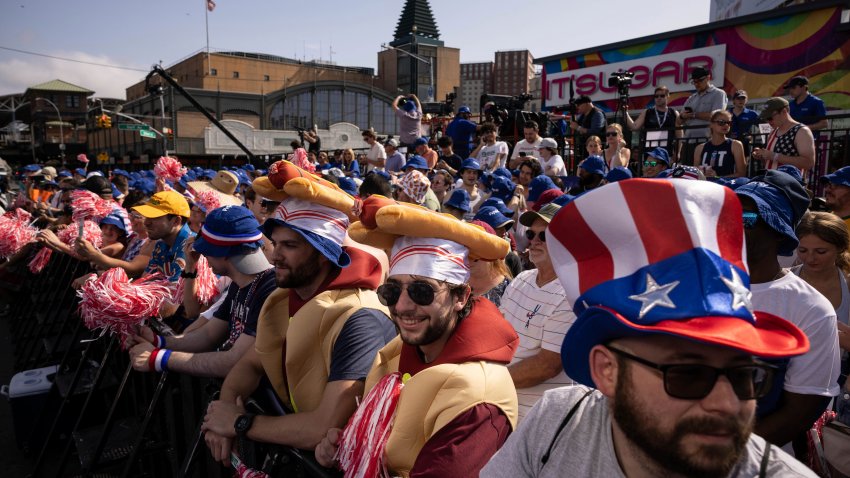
72	101
213	72
236	74
266	78
280	141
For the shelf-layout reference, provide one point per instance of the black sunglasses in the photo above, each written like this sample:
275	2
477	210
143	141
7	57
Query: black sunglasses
696	381
420	292
611	133
722	122
529	234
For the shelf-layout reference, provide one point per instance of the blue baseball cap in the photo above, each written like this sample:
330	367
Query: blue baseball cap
146	186
80	172
781	202
469	163
660	154
502	188
416	162
459	200
493	217
538	185
618	174
63	174
380	173
594	164
409	106
231	231
348	185
208	173
840	177
463	109
249	167
502	171
31	168
500	205
120	172
420	142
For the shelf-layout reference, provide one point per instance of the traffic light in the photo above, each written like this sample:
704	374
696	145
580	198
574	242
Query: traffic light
98	121
107	121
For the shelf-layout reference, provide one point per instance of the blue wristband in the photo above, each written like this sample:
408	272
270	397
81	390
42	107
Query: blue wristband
166	355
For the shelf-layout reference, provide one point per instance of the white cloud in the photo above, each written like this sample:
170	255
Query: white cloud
22	71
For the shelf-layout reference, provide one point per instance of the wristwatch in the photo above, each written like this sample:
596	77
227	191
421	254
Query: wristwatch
243	423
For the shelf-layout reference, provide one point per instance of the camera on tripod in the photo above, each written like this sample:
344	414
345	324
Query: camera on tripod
622	80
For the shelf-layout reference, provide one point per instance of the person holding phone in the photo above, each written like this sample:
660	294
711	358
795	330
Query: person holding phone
696	114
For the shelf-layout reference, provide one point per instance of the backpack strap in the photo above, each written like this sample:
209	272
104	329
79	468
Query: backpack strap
764	460
564	424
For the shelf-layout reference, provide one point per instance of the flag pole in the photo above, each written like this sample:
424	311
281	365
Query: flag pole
207	22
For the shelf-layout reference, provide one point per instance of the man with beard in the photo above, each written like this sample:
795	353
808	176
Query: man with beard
458	403
317	335
837	193
773	206
666	336
231	241
166	220
591	172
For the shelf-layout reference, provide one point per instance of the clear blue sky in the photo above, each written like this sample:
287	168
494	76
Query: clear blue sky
140	33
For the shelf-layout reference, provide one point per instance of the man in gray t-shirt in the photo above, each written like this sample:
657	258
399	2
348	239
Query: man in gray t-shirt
675	374
696	113
409	118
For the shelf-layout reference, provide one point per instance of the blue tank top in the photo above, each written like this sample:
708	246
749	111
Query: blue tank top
719	157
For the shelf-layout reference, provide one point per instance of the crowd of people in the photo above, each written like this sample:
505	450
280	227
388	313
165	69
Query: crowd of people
501	317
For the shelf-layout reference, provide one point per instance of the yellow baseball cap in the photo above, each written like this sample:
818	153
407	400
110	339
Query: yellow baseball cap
162	203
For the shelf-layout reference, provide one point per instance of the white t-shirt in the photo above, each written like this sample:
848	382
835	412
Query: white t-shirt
487	154
530	149
541	317
554	161
376	152
793	299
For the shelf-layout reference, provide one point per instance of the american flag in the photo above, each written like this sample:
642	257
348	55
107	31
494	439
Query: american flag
210	5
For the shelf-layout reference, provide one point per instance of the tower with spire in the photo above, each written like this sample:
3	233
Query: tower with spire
417	60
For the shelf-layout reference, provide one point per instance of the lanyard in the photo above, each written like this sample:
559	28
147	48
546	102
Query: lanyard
660	120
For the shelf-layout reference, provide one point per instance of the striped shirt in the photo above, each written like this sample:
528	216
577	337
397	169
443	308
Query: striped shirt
541	317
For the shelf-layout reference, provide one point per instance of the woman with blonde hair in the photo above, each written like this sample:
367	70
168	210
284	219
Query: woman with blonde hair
616	152
593	145
350	165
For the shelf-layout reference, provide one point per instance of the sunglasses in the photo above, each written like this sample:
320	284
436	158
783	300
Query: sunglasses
722	122
611	133
650	164
699	80
696	381
420	292
750	219
530	235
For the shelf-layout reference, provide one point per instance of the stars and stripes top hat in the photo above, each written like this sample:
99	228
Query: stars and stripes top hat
672	262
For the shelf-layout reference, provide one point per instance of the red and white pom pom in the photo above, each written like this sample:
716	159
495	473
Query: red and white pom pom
42	257
16	232
82	158
88	205
207	200
114	304
361	446
299	158
206	284
91	233
169	169
243	471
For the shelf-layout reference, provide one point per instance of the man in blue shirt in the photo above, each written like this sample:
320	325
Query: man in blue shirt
395	160
462	131
166	215
805	107
743	120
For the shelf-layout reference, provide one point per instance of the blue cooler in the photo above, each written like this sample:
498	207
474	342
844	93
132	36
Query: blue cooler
27	394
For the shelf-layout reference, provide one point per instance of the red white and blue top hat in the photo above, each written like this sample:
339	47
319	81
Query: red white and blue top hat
671	262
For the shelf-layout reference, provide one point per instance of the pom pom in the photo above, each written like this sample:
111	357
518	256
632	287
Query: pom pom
169	169
361	446
243	471
207	200
88	205
114	304
91	233
37	264
17	232
299	158
82	158
206	284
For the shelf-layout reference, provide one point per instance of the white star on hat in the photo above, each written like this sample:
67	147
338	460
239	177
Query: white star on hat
654	295
740	293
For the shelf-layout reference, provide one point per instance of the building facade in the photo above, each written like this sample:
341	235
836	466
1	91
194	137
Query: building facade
513	72
476	79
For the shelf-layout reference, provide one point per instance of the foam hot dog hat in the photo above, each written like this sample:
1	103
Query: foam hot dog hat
286	180
424	242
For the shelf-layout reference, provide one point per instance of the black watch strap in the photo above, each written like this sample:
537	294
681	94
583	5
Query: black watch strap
189	275
243	423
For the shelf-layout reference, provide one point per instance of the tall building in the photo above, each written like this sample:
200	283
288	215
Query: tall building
416	60
513	72
476	79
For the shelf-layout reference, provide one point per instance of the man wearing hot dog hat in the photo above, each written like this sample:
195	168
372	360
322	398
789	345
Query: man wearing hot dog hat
318	333
665	335
456	402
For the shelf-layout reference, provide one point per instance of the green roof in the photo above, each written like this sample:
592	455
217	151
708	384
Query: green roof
59	85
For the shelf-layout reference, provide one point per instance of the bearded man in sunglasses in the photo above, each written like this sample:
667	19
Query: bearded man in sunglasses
458	403
535	306
665	333
773	206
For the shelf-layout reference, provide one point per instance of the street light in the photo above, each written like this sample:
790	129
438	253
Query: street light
428	61
61	133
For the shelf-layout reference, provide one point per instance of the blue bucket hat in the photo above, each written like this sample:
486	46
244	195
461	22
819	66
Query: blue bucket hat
348	185
470	163
594	165
299	216
502	171
249	167
781	202
660	154
493	217
416	162
564	199
840	177
618	174
502	188
459	200
538	185
120	172
115	219
409	106
208	173
792	171
232	231
500	205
